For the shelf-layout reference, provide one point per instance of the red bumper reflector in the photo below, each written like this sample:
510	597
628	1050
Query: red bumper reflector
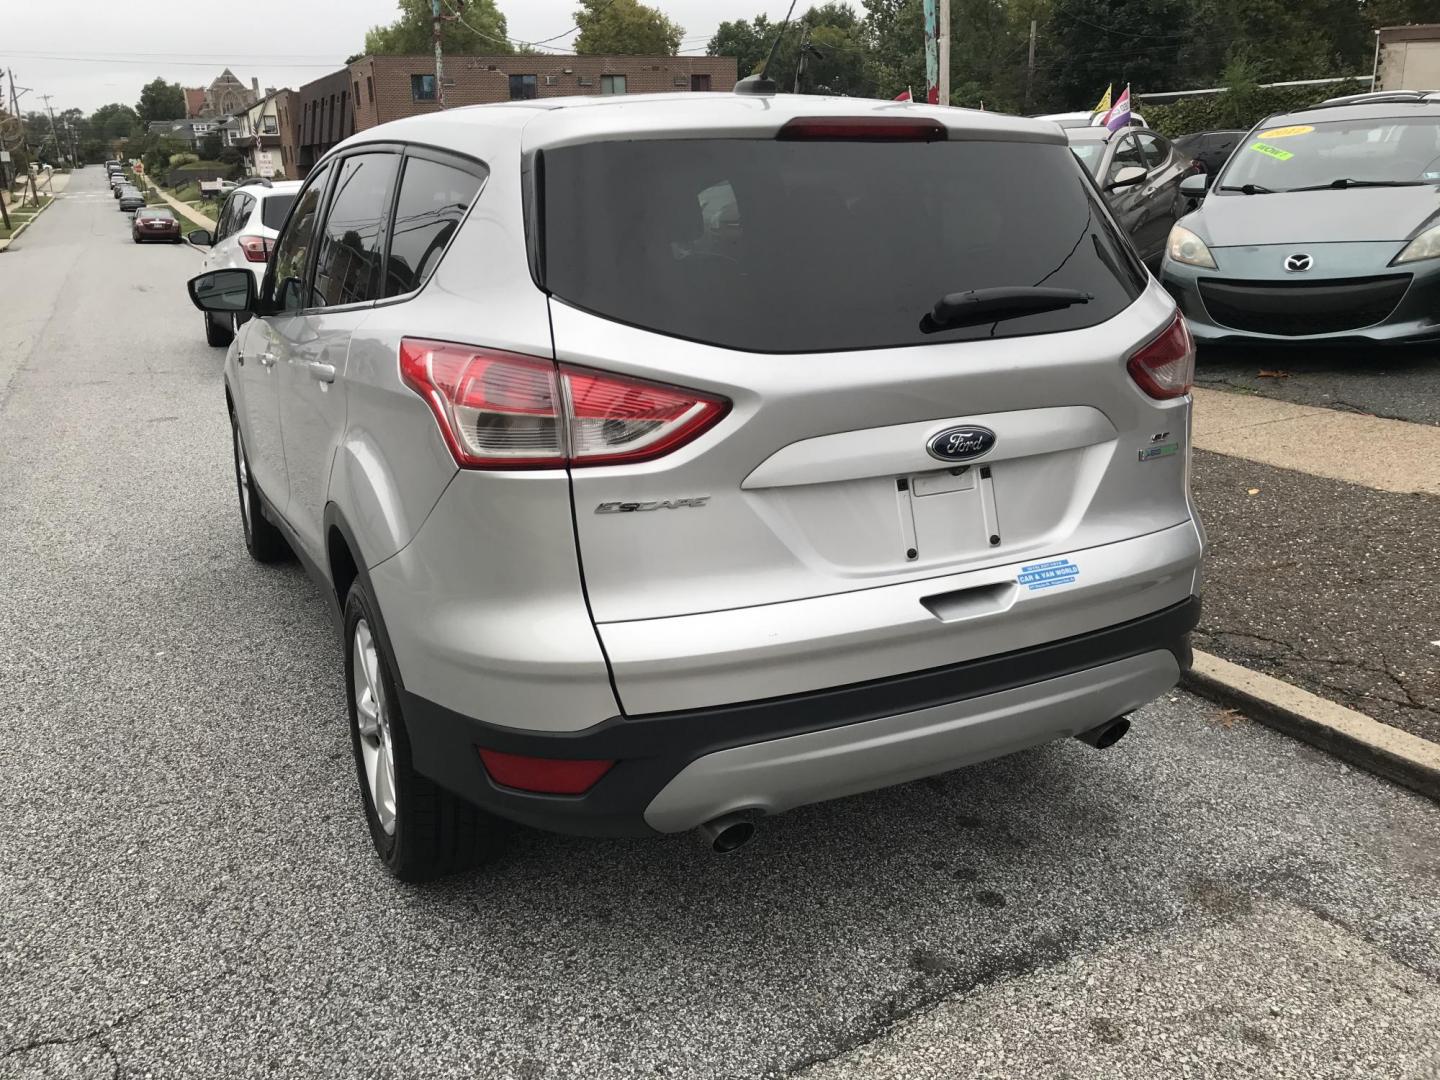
549	776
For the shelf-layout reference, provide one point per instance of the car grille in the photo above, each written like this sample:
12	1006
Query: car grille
1300	309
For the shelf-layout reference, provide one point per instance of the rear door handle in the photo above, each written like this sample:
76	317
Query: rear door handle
323	372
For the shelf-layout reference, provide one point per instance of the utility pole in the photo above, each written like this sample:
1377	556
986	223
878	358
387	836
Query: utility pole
944	58
1030	67
54	132
932	59
439	58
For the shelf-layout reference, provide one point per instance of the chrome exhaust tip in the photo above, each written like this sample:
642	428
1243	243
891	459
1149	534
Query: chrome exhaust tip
727	833
1106	734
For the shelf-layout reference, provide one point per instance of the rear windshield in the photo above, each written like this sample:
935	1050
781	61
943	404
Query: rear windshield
274	209
156	212
810	246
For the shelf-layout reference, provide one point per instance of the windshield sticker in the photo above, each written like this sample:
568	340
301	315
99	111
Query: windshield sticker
1272	151
1287	132
1046	575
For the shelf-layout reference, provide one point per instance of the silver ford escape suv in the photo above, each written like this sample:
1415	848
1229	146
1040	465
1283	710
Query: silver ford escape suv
671	461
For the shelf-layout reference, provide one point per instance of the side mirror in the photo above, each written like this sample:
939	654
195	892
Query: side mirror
199	237
1195	187
225	291
1129	176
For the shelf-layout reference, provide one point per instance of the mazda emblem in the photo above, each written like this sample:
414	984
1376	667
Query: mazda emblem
1298	263
960	443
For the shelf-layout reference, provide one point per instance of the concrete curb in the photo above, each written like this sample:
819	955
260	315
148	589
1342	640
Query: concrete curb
1351	736
5	244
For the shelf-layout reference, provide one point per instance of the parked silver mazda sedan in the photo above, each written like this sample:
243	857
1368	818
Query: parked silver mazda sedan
1323	228
671	461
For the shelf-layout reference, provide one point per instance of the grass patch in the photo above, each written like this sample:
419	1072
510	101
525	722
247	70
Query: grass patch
21	215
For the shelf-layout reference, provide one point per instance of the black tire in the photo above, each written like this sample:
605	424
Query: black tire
264	542
135	238
432	832
218	332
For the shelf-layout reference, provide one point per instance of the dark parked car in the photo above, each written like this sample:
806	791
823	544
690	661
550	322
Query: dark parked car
155	223
1209	149
1139	173
131	200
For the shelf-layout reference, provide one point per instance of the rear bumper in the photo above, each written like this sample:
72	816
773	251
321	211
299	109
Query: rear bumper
676	770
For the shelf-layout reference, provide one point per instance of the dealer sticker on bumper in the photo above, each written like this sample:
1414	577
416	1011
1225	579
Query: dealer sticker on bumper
1046	575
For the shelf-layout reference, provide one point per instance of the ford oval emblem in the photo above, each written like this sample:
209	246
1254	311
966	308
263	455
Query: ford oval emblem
961	443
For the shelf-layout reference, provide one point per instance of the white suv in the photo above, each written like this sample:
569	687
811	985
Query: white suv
249	222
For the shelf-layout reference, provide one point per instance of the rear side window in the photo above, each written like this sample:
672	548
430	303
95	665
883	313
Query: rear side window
433	200
347	267
807	246
273	210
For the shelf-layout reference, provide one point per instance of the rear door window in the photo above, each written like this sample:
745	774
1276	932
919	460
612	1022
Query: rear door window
804	246
274	208
433	199
347	265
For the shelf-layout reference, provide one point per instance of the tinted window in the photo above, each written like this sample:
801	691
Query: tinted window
433	199
1127	154
422	87
777	246
273	210
347	267
1154	149
287	262
522	87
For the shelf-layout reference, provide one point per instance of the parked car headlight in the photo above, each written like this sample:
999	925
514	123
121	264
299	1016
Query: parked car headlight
1424	246
1185	247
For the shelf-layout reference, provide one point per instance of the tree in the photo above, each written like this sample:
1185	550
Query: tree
478	29
625	28
210	146
835	63
746	40
113	121
161	100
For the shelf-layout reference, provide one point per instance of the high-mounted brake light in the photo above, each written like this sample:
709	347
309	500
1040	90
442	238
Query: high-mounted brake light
1165	366
548	776
256	248
500	410
864	129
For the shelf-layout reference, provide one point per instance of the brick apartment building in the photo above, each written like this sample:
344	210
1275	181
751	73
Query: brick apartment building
390	87
320	116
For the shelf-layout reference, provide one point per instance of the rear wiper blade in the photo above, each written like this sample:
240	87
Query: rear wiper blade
1248	189
1349	182
991	305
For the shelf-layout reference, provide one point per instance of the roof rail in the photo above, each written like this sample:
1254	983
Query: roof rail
1381	97
263	181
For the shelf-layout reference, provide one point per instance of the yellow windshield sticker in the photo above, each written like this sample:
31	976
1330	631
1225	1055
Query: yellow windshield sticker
1272	151
1287	132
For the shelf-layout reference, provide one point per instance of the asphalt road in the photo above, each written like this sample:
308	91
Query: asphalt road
187	889
1398	384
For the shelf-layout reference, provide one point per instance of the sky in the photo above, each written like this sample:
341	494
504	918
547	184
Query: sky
85	53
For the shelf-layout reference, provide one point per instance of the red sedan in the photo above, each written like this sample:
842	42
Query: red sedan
155	223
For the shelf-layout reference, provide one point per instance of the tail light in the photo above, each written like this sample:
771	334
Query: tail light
500	410
864	129
256	248
1165	367
549	776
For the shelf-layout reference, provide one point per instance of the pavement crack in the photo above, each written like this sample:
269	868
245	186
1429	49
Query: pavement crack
123	1020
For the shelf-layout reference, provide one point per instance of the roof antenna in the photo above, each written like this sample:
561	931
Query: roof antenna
761	83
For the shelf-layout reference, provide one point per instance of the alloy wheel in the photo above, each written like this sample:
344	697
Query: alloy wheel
372	720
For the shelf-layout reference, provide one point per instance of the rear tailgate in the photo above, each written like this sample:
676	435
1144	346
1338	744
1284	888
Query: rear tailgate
792	279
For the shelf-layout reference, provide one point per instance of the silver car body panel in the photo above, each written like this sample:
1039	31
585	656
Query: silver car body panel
773	650
779	774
